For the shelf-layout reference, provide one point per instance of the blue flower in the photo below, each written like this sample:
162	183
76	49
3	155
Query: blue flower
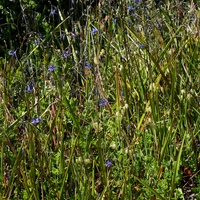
114	21
102	102
93	31
37	42
36	120
108	163
65	54
88	66
141	46
28	62
51	68
12	53
53	12
29	89
104	12
130	9
137	1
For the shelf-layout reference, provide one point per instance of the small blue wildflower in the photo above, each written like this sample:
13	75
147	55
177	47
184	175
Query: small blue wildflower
114	21
104	12
65	54
93	31
141	46
130	9
72	1
28	62
22	149
137	1
102	102
88	66
36	120
37	42
108	163
51	68
12	53
53	12
128	127
29	89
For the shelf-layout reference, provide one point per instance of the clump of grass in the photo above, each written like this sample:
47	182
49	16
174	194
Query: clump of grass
103	105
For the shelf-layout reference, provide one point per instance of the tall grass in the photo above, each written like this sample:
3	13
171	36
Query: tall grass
105	106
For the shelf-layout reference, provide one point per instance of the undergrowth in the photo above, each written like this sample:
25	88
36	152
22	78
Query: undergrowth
100	101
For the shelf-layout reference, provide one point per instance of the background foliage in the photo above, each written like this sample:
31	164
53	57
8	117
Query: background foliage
99	99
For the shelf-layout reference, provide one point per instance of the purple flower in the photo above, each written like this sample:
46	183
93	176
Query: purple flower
36	120
93	31
28	90
102	102
141	46
108	163
51	68
53	12
65	54
104	12
114	21
37	42
130	9
137	1
88	66
12	53
28	62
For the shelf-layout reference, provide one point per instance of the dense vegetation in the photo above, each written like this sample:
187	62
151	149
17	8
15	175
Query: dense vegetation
99	99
